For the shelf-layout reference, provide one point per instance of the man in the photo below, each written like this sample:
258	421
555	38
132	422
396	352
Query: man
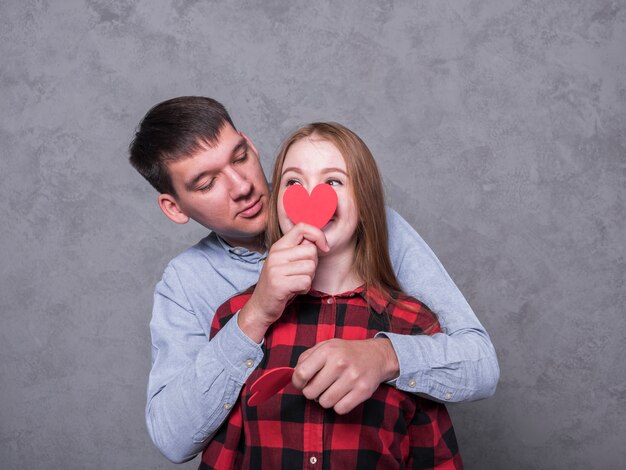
204	169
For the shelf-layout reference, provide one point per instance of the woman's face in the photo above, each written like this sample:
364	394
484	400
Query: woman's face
312	161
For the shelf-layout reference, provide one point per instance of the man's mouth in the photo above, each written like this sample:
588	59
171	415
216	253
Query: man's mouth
252	210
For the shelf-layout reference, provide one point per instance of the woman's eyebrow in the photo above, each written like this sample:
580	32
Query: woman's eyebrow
324	171
292	168
332	170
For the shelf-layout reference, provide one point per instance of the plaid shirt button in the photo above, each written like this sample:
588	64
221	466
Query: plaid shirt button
313	460
412	383
329	300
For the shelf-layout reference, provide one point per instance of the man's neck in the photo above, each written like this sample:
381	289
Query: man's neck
335	273
256	243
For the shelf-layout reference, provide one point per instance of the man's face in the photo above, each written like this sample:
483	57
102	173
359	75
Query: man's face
223	188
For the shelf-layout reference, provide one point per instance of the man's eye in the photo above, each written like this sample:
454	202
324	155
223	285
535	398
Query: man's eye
243	158
207	186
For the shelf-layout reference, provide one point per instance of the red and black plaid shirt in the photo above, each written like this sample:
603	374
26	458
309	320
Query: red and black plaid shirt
392	429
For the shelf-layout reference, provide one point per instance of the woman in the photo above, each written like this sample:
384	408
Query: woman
354	296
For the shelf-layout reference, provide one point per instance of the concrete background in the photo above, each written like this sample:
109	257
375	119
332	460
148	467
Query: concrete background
499	127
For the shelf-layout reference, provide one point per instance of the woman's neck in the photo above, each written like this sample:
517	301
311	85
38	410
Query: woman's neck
335	273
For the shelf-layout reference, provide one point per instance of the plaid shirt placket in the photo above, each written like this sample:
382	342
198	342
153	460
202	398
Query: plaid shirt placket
390	430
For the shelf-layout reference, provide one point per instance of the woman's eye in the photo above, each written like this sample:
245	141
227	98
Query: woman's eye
334	182
291	182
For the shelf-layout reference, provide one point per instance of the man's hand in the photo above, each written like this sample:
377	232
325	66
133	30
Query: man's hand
342	374
288	271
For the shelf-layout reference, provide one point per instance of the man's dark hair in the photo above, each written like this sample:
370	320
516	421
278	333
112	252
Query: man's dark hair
173	130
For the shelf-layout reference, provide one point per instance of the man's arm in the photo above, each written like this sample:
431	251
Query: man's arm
193	382
460	365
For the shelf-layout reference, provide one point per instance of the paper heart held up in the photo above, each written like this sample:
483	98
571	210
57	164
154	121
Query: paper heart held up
315	209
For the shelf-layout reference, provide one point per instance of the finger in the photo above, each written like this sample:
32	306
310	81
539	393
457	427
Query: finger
309	364
303	357
317	238
350	401
299	284
294	268
323	378
300	232
305	251
320	382
334	393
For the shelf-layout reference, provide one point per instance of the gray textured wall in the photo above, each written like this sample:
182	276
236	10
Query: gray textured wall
499	127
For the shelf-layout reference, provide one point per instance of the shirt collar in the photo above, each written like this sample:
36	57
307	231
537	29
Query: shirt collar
373	297
241	253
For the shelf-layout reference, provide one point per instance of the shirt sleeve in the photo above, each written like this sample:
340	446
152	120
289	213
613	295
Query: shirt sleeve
457	365
193	381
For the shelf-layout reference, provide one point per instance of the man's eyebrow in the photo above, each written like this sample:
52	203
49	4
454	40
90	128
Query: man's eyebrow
191	185
241	145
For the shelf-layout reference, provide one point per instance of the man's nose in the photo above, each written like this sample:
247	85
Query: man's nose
240	186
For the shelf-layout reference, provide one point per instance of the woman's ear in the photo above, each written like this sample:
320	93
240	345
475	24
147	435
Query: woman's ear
171	209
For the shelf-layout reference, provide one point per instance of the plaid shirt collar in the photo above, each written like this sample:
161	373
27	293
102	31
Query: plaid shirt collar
374	298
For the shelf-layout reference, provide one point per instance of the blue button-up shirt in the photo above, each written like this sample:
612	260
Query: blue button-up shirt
194	382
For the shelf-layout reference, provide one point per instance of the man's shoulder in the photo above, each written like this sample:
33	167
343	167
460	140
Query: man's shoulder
200	261
202	252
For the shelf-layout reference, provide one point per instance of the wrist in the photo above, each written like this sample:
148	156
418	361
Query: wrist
251	323
390	365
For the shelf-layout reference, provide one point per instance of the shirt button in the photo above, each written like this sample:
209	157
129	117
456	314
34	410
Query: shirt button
237	251
249	363
328	301
448	395
227	406
412	383
313	460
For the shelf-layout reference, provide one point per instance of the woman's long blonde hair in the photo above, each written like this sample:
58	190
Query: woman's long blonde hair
371	260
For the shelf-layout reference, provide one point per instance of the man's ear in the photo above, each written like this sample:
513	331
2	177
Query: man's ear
171	209
250	144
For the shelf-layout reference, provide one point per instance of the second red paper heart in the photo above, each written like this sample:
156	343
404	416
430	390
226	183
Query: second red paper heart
315	209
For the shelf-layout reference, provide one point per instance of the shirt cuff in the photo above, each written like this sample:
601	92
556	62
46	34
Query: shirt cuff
415	371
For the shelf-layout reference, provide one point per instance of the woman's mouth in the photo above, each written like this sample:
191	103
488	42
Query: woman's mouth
328	223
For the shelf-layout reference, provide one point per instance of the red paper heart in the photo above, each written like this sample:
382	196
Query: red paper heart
316	209
269	384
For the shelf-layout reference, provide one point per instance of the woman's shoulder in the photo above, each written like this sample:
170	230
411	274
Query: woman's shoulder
408	300
228	309
408	313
